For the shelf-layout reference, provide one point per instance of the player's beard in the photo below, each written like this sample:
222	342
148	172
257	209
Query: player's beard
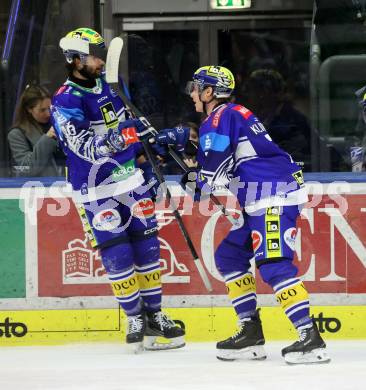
90	74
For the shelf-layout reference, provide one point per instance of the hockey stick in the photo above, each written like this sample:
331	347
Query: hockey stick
112	67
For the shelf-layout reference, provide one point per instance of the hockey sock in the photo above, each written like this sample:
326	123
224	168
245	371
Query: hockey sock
294	299
242	293
125	287
150	285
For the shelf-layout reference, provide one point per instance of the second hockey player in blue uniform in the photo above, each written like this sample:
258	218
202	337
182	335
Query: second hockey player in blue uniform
236	151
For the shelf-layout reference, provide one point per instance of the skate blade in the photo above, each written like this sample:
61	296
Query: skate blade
135	348
256	352
316	356
153	343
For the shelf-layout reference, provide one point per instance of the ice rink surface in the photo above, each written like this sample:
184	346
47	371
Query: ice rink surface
111	367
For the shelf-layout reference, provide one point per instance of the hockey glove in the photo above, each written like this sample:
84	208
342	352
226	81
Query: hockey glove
115	141
178	136
130	129
158	149
150	179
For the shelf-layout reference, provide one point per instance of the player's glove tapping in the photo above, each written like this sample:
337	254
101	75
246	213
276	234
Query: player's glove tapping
178	136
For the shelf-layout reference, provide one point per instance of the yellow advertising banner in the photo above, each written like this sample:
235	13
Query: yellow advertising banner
45	327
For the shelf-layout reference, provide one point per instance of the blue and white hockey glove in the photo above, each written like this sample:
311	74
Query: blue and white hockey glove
150	179
107	145
178	136
115	140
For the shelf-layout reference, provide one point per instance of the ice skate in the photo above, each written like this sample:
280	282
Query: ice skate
136	326
308	350
170	334
246	343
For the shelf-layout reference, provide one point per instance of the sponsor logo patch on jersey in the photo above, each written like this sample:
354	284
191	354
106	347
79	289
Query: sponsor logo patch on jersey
143	209
214	141
217	116
106	220
273	238
273	210
290	237
243	111
299	177
273	245
123	171
257	240
109	115
130	136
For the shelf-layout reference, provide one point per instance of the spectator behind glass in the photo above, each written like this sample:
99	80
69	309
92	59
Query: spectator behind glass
32	139
288	127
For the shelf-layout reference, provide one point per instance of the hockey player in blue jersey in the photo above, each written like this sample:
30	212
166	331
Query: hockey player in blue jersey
236	151
109	179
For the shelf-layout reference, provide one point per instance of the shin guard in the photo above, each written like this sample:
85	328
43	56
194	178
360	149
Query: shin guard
149	279
242	293
293	297
125	287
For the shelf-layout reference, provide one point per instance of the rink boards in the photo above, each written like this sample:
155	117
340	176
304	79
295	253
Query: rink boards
202	324
54	283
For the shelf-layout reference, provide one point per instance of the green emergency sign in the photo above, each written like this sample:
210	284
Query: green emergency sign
230	4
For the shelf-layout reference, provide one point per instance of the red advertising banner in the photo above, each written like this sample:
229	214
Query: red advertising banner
330	249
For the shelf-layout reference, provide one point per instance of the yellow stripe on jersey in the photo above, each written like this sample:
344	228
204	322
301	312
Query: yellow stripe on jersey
240	287
292	295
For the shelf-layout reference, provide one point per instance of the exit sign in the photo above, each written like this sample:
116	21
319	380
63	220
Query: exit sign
230	4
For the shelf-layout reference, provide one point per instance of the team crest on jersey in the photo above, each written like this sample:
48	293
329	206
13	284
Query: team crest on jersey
109	115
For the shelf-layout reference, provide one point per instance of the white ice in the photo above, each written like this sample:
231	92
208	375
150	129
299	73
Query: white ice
110	367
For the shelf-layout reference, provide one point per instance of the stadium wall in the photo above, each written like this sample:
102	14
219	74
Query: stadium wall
53	288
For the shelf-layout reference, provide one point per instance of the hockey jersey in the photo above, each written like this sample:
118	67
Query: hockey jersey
235	151
82	117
